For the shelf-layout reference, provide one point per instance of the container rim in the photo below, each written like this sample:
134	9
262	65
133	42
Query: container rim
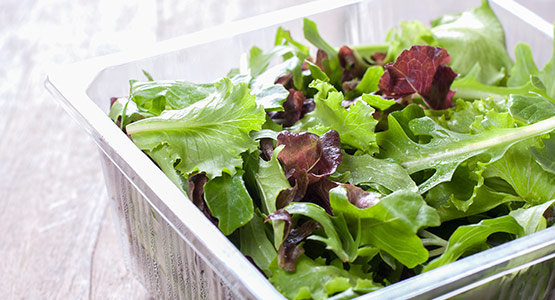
69	84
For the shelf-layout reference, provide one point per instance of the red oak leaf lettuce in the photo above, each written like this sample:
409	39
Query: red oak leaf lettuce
422	70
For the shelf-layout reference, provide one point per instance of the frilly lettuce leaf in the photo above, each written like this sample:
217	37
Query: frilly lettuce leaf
207	136
355	125
405	35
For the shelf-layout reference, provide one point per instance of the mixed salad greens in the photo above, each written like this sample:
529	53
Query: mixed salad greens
350	169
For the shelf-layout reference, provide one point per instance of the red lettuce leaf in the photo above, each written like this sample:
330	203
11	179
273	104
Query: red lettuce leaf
318	156
289	251
422	70
196	194
351	62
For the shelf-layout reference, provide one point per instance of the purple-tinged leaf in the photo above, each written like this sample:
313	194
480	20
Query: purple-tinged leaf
422	70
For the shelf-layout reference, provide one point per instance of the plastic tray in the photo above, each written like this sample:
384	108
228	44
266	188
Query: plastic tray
176	253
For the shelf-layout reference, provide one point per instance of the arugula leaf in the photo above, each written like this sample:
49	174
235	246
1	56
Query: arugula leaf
368	83
313	36
355	126
469	237
365	169
447	149
331	62
255	244
207	136
475	37
228	200
531	219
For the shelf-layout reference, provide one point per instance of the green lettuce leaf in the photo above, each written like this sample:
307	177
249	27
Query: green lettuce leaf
475	37
365	169
156	96
229	201
528	179
338	238
270	180
405	35
469	237
313	279
392	224
466	194
331	63
531	219
524	66
545	156
547	74
530	109
208	136
355	125
255	244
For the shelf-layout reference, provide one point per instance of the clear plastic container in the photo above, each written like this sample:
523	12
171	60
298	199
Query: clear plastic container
168	243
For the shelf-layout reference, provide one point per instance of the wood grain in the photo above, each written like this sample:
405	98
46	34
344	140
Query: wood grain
57	237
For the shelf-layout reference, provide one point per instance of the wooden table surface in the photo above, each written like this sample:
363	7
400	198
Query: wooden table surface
57	235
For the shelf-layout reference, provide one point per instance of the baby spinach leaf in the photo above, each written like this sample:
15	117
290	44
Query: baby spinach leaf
207	136
229	201
468	237
255	243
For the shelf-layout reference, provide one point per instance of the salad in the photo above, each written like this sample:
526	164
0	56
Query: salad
338	171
